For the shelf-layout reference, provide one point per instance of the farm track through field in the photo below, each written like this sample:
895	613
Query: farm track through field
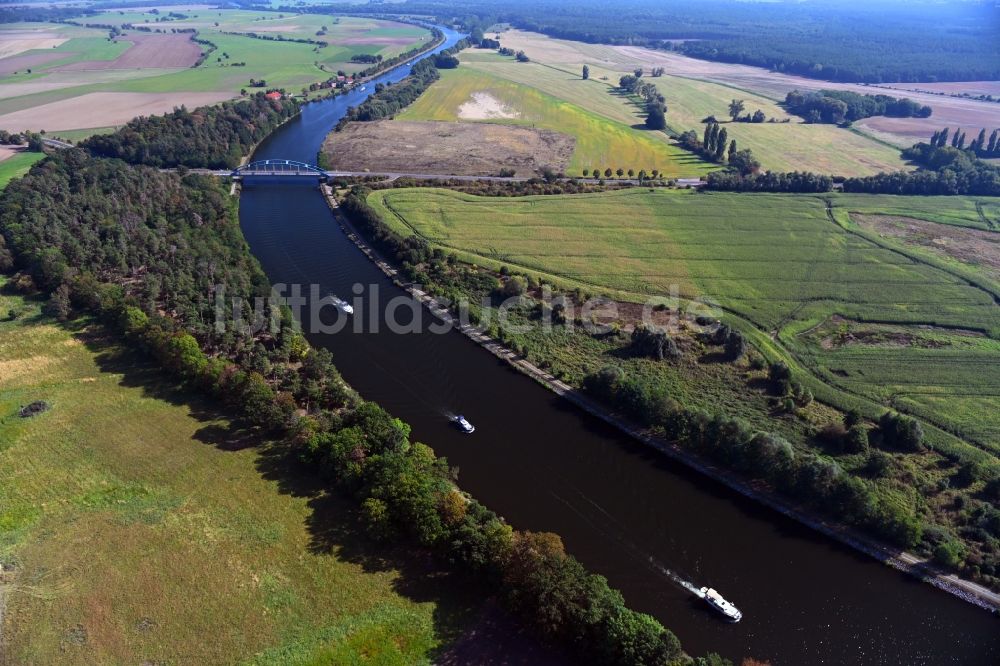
982	215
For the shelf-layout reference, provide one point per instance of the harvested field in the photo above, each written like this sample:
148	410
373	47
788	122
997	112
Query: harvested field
102	109
13	42
20	63
472	149
147	51
969	246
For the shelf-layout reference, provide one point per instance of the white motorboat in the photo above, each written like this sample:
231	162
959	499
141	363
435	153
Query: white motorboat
716	601
464	424
341	305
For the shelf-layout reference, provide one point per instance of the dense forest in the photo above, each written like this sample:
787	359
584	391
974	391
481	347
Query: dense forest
876	42
214	137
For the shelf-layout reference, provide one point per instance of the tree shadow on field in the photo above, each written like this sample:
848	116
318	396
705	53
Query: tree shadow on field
460	601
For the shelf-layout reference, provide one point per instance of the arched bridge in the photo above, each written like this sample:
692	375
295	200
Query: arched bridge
279	168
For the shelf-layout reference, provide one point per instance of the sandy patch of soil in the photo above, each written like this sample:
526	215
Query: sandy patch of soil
152	51
970	246
103	109
468	149
484	106
22	62
13	42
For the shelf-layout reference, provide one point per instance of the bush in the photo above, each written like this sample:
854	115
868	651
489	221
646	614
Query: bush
902	432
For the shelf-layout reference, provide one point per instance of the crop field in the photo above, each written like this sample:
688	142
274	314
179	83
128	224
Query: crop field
600	141
722	82
111	556
779	263
779	146
158	66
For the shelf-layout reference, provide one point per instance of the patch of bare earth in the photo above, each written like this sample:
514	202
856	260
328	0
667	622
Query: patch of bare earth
465	149
484	106
13	42
103	109
147	51
20	63
975	247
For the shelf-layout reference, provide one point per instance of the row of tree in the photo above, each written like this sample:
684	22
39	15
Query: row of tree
837	106
210	137
980	146
795	181
656	103
712	147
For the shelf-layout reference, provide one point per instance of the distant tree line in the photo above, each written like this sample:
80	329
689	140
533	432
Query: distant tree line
820	40
837	106
211	137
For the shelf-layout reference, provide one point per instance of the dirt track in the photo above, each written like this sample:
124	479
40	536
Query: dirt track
473	149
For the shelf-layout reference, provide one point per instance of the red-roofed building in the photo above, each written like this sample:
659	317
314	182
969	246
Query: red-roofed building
274	94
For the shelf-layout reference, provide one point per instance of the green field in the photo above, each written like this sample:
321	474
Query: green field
792	146
283	64
16	166
143	526
778	264
601	142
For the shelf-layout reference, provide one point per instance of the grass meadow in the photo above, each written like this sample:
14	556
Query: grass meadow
16	166
779	146
601	141
139	521
778	264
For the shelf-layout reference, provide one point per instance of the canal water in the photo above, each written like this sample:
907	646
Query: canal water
649	525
